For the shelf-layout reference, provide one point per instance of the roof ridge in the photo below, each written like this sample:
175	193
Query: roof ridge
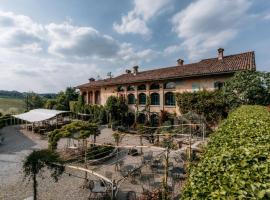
234	62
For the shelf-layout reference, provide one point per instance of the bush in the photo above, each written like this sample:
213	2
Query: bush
98	152
249	88
211	104
236	162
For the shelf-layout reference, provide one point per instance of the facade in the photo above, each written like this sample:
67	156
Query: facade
160	85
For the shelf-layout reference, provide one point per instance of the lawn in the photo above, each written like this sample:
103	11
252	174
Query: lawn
11	106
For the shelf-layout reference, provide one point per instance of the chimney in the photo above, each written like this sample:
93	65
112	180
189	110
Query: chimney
128	71
91	80
220	53
135	70
180	62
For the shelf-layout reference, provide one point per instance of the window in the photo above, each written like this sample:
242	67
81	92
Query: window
195	87
170	99
142	98
218	85
154	86
120	89
154	99
97	97
141	118
130	88
131	99
154	119
142	87
170	85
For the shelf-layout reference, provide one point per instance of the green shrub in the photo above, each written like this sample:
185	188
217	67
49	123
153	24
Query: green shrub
236	162
211	104
97	152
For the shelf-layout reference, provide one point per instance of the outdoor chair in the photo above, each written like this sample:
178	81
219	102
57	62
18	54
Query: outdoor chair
98	189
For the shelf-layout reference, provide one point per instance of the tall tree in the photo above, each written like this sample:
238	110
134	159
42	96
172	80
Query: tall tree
248	87
64	97
33	101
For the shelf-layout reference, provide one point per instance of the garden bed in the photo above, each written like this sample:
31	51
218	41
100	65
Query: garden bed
99	154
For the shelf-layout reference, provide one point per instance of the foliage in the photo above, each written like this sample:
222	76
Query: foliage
164	116
98	152
76	130
211	104
117	108
33	101
248	87
98	113
64	97
50	104
37	160
236	161
11	94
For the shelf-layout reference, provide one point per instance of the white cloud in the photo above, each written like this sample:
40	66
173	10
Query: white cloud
136	20
49	57
19	32
172	49
266	17
208	24
69	40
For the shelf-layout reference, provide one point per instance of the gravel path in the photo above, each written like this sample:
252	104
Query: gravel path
17	145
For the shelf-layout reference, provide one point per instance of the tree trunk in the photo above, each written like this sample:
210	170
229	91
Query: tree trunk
35	186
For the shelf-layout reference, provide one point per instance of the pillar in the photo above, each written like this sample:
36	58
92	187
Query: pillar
161	96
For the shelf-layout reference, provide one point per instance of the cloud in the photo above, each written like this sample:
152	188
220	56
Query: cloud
172	49
136	20
49	57
69	40
266	17
20	33
208	24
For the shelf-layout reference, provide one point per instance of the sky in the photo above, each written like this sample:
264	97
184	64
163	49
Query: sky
46	46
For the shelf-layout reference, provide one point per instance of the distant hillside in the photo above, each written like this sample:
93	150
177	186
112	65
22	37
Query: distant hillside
11	94
20	95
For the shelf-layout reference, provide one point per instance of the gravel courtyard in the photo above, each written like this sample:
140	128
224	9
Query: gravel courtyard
17	145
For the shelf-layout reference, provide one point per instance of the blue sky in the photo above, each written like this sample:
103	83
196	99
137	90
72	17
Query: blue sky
46	46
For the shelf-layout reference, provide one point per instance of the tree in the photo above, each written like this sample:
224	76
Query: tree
33	101
37	160
50	104
112	107
248	87
76	130
64	97
117	109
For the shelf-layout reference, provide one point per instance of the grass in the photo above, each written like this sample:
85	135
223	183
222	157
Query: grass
11	106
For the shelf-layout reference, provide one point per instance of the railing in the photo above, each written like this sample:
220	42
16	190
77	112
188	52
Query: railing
9	120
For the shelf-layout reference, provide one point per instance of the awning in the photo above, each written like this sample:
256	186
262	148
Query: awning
38	115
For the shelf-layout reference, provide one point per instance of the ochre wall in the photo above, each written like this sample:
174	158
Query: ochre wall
181	86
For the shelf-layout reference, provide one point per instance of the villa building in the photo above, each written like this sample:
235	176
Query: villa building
160	85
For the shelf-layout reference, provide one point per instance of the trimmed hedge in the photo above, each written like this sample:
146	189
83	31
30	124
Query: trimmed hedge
236	162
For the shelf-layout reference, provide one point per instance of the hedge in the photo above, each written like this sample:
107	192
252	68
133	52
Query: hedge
236	161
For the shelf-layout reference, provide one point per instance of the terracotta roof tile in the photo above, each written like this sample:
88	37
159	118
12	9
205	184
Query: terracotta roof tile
229	64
